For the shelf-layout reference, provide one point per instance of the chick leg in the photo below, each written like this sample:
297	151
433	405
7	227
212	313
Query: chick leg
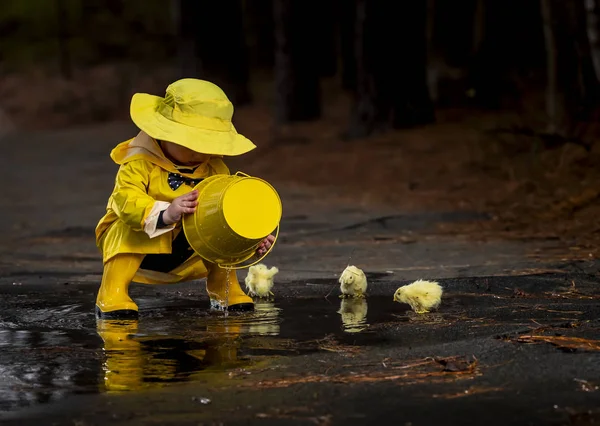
418	308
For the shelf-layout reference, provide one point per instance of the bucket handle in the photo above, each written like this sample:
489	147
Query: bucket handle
256	261
238	173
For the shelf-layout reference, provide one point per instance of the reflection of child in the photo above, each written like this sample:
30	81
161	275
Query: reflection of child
182	140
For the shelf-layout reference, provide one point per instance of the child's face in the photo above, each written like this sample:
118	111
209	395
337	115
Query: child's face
182	155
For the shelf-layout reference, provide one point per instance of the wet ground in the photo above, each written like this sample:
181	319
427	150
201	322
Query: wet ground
515	341
522	350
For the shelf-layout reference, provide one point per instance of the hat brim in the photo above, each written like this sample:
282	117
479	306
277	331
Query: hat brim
145	115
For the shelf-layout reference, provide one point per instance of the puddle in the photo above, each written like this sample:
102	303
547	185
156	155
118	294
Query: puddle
52	346
50	349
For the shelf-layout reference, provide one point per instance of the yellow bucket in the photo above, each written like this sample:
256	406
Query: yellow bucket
234	214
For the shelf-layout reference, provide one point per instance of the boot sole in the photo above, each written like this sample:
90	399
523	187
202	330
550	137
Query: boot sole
118	314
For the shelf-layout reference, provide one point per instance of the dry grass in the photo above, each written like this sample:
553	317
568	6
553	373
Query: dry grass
562	342
428	370
473	390
560	335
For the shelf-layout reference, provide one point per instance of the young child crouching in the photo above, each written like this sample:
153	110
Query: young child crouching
183	139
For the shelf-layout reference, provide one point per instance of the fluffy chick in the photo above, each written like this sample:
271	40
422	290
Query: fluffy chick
353	282
259	280
422	296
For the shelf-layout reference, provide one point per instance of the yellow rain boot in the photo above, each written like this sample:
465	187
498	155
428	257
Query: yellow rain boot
216	286
113	301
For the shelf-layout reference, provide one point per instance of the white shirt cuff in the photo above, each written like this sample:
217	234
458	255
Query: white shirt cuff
152	220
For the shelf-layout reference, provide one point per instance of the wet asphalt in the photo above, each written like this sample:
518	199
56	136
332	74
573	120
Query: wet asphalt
516	339
523	350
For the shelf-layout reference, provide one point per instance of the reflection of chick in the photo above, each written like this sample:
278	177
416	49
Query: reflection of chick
264	321
354	314
353	282
422	296
259	280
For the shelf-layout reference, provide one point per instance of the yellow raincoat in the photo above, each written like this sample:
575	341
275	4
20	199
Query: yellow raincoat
141	190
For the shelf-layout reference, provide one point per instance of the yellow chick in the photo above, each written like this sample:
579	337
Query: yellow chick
259	280
422	296
353	282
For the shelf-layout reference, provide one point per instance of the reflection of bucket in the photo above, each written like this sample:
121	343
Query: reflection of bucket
234	214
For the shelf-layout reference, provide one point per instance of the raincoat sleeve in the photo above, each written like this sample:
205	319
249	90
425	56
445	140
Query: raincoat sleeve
131	202
153	226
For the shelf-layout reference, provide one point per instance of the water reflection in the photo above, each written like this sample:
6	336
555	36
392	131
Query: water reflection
38	366
354	314
45	357
136	360
265	320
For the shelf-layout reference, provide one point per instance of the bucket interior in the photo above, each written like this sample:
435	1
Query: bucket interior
252	208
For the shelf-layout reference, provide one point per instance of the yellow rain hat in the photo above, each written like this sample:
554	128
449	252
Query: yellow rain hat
195	114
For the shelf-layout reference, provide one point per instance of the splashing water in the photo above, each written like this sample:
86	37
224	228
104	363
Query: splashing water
217	302
226	304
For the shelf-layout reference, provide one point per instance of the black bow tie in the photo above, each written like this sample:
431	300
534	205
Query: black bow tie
175	181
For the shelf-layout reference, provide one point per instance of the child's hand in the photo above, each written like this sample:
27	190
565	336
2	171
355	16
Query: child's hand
181	205
265	245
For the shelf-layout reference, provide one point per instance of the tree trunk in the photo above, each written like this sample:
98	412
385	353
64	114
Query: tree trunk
478	26
450	49
507	51
551	82
587	82
573	87
592	8
411	102
488	64
452	38
325	23
347	30
297	95
264	30
185	15
221	47
66	66
390	92
362	119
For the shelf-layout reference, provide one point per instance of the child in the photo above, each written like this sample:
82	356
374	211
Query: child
182	140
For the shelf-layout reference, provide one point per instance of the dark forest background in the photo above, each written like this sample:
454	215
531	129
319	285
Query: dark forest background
483	105
400	61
